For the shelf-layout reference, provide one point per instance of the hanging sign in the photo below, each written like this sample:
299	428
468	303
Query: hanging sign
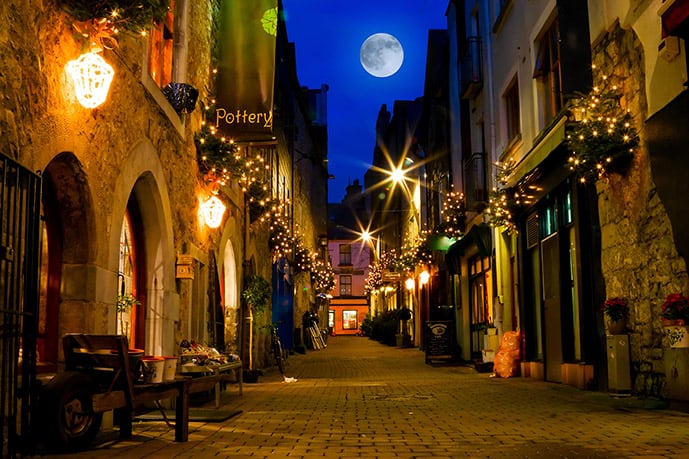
246	69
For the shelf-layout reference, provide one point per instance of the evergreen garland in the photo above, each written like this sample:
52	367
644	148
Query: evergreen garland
414	253
322	276
374	279
603	137
454	216
132	16
503	200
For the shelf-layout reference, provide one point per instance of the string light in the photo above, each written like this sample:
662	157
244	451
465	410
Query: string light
603	134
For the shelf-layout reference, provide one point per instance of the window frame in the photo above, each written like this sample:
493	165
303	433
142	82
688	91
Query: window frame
548	71
178	59
511	111
160	56
345	287
345	254
346	322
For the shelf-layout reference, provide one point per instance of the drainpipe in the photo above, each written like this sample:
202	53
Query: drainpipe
179	70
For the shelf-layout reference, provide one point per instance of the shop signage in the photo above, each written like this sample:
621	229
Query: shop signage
439	340
246	69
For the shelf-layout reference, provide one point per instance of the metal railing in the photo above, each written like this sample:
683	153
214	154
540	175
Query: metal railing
470	68
20	204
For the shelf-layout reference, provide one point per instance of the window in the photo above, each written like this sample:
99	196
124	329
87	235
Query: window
161	49
511	101
345	285
345	254
547	72
349	320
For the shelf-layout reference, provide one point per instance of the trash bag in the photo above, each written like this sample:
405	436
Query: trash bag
506	362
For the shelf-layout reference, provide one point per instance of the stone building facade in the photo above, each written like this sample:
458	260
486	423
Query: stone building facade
572	245
122	184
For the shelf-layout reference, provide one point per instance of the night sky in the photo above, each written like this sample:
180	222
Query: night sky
328	35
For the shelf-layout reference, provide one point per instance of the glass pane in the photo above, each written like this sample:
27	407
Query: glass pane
349	320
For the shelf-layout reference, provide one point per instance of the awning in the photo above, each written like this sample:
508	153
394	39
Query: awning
439	242
479	236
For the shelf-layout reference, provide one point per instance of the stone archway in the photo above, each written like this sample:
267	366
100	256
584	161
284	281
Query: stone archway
231	301
67	303
142	179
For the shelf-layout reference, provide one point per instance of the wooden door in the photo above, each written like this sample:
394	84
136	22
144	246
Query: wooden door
552	330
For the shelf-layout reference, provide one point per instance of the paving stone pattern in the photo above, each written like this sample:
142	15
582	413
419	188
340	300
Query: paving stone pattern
358	398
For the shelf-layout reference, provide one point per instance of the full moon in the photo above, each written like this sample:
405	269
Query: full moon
381	55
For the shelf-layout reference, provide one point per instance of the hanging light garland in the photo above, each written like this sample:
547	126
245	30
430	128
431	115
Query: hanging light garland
503	200
602	137
222	161
322	276
414	253
454	216
374	279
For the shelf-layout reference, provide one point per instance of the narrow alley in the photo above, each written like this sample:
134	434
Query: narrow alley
360	398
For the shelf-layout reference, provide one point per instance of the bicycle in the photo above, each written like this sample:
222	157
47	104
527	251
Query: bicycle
276	346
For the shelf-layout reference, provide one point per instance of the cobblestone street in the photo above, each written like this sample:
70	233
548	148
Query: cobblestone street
359	398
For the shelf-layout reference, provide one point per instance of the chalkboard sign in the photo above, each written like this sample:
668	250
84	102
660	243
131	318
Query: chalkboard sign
440	340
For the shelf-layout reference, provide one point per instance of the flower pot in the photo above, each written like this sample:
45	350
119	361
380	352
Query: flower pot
182	96
677	335
154	368
614	327
251	376
170	368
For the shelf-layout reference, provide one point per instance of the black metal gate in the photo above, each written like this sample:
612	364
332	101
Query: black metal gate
20	203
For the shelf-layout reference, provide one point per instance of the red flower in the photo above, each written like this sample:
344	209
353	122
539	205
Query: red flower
615	308
675	307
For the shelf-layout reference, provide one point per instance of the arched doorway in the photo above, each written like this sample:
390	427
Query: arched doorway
68	247
230	299
131	278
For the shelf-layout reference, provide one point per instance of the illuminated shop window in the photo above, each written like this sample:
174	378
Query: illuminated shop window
349	321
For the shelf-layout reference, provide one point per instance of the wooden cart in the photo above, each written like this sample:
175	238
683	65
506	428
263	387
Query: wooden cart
100	375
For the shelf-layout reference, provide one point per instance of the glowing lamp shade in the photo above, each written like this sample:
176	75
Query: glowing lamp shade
92	77
409	283
424	277
212	211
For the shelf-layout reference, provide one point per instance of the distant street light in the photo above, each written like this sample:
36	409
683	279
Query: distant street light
397	175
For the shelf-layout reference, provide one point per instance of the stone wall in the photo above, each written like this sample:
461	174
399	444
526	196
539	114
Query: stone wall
638	254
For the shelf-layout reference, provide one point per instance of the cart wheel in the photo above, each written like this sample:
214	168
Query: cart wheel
67	411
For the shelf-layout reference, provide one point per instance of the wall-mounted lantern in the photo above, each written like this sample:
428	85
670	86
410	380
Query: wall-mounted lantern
213	210
424	277
92	77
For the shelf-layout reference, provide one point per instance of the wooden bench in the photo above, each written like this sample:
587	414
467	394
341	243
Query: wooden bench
106	359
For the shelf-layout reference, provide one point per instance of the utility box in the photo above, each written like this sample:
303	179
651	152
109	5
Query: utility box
619	374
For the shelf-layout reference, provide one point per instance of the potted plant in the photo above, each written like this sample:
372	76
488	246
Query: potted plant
615	314
257	294
675	317
675	310
123	305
